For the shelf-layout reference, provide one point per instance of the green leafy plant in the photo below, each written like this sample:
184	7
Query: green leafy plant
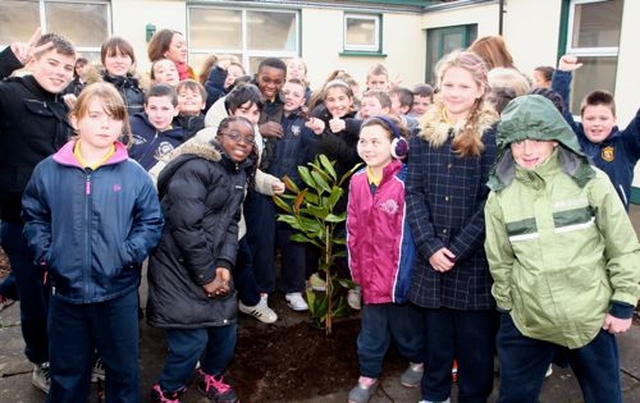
311	212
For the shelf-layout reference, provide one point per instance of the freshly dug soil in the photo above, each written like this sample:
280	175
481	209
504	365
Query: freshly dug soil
283	364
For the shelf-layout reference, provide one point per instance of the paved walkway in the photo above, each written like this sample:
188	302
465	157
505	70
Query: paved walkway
15	371
561	387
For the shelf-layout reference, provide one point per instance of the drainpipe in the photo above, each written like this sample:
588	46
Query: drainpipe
501	17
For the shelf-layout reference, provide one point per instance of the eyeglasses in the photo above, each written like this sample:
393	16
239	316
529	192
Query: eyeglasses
237	137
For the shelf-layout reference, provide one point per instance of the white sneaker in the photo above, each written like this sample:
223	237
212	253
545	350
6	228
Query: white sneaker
354	298
549	371
296	302
260	311
41	377
97	373
317	283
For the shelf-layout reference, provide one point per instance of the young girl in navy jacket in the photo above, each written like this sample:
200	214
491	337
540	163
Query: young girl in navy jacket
91	217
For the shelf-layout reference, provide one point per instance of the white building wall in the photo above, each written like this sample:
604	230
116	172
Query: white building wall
130	18
322	42
532	32
485	15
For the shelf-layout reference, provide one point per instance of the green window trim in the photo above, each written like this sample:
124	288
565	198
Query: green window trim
353	53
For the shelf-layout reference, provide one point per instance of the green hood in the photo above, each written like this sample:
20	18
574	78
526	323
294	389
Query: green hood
536	117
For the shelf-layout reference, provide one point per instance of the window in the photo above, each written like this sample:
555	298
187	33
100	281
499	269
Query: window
363	33
441	41
250	35
593	36
86	23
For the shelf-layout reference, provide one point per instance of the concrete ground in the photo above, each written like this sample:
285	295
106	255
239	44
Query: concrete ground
15	370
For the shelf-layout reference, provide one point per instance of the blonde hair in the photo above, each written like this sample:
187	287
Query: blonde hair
467	142
506	84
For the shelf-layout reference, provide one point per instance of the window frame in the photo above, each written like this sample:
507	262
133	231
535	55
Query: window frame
246	54
603	52
375	48
42	23
468	34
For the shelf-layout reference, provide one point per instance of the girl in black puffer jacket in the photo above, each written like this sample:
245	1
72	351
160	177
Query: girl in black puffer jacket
191	291
118	61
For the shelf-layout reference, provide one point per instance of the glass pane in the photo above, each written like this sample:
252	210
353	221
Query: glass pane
211	28
84	24
196	60
361	32
271	31
18	20
91	56
597	25
451	42
254	61
597	72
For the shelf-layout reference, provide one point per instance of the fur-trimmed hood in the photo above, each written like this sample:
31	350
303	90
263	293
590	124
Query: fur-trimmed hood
435	129
207	150
95	73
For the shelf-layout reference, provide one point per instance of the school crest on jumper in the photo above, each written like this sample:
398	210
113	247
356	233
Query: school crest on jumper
295	130
608	154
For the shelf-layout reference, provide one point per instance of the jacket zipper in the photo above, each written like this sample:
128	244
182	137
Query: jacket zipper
86	272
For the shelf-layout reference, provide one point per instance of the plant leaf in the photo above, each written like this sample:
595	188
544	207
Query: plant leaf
305	175
334	218
281	203
290	185
320	181
328	166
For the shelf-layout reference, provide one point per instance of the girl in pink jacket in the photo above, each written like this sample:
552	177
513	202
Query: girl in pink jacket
381	252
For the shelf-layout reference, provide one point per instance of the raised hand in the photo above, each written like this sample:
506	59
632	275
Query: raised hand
569	63
24	51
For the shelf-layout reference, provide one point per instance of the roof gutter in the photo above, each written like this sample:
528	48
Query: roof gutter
456	4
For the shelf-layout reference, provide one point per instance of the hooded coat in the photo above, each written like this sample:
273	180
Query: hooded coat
561	249
128	86
201	192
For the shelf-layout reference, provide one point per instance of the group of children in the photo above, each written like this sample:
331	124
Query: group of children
470	225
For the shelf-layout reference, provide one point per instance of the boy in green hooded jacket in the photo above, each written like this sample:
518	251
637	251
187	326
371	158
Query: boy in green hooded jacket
563	254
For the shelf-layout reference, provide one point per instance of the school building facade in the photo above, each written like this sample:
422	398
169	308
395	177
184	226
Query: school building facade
407	36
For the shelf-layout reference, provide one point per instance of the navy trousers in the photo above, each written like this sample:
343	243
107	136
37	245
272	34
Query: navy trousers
77	331
382	323
243	278
524	361
469	338
32	291
213	346
259	213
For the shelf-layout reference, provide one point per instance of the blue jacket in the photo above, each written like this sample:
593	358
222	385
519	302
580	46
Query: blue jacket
148	144
91	229
379	239
296	147
617	155
215	86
